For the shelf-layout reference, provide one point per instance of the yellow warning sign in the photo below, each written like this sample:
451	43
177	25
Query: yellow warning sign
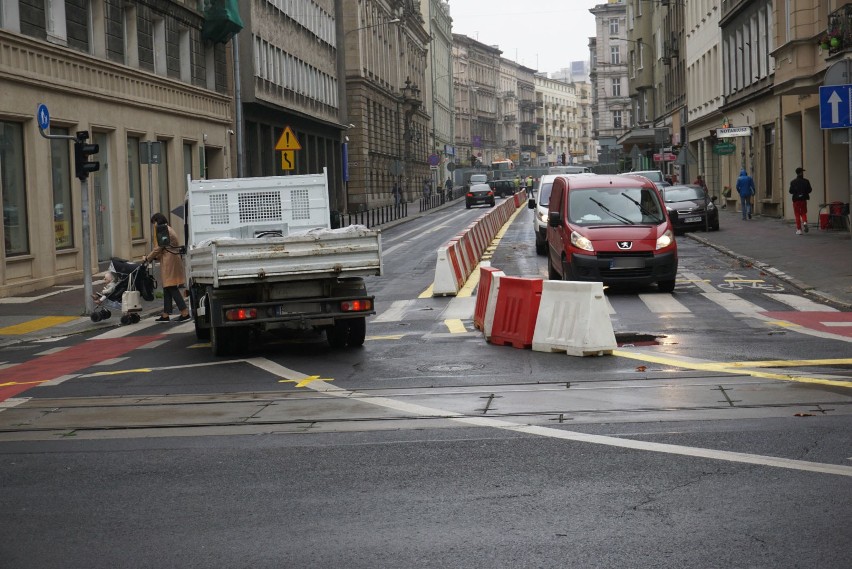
288	141
288	159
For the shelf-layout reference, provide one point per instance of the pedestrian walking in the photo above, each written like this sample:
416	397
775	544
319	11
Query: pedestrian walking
448	188
396	192
801	190
172	272
427	190
745	187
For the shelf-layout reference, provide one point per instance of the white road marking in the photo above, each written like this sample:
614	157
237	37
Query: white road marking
58	380
112	361
836	324
180	328
422	411
152	345
733	303
395	313
13	402
800	303
122	331
663	303
52	351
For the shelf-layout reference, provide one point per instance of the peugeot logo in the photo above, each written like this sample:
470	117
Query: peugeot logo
624	244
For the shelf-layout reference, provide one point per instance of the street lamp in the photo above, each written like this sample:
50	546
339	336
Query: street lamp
411	103
392	21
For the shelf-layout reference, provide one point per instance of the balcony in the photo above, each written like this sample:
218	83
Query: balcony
838	37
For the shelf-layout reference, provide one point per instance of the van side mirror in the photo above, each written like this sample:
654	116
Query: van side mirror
713	199
554	219
531	203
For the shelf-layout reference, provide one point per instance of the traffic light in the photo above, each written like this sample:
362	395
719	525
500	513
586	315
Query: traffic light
82	151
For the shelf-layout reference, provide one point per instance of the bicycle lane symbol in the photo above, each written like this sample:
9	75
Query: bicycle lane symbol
735	281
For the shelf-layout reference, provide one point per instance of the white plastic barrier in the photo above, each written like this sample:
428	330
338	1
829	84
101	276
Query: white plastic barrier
573	318
491	304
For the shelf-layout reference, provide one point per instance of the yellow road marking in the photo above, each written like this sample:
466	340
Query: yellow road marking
428	292
140	370
305	381
37	324
793	363
728	368
10	383
455	326
390	337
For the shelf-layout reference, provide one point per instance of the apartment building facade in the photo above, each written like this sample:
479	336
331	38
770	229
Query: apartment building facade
128	74
558	120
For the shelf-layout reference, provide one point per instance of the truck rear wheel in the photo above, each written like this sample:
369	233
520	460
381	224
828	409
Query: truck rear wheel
220	341
357	332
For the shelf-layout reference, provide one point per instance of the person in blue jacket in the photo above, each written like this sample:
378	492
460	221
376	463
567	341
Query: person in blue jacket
745	187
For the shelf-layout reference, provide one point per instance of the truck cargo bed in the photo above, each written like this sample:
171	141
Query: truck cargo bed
349	252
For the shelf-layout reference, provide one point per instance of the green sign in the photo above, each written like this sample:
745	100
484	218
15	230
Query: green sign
723	148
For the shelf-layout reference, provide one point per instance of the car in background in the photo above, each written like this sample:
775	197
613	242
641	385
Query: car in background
538	203
689	207
478	179
610	229
478	194
655	176
502	188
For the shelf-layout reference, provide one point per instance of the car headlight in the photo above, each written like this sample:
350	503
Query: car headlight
581	242
665	239
542	216
711	206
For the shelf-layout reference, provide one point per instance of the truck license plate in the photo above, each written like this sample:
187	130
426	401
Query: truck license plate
692	219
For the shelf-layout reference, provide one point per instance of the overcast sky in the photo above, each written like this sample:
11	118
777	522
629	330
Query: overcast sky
543	34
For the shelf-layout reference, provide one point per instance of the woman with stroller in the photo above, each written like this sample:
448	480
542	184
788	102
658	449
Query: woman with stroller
171	267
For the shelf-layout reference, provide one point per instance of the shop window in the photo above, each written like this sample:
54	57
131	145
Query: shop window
61	176
12	190
134	185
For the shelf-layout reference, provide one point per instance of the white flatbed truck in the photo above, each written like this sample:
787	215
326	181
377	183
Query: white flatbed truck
261	256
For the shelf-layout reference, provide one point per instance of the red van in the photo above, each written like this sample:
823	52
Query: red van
611	229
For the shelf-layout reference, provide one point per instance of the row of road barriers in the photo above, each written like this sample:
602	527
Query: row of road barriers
458	258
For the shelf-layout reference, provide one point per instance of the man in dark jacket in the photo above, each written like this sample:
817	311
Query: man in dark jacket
745	187
801	189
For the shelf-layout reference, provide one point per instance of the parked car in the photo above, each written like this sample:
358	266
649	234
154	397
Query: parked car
479	194
655	176
502	188
688	206
611	229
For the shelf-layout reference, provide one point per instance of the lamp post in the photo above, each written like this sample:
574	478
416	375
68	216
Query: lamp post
410	105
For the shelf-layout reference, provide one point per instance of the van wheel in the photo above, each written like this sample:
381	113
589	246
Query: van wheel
541	248
666	286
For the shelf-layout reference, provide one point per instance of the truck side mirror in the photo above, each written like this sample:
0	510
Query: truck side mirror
554	219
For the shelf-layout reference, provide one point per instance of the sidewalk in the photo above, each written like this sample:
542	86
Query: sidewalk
819	263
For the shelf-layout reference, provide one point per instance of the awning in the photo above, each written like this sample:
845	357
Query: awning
637	136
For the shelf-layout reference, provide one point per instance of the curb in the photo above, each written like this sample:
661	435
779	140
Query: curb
781	275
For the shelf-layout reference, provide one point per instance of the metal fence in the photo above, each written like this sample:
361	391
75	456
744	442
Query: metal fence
371	217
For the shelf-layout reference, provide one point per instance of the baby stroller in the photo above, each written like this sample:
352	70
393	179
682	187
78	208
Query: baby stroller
125	282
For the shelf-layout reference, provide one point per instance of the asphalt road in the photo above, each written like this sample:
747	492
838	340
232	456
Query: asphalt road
715	436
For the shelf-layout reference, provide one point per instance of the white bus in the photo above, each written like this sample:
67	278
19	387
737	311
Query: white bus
569	170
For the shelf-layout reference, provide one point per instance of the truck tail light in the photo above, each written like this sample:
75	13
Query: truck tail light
236	314
356	305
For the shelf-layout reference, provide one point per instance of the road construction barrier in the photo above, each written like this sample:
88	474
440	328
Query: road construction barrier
491	304
486	272
573	318
516	311
458	258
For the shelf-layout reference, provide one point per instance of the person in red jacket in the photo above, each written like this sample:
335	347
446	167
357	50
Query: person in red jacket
801	190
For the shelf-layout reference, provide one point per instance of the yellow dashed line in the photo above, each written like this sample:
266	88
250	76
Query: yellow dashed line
305	381
455	326
733	369
428	292
391	337
37	324
140	370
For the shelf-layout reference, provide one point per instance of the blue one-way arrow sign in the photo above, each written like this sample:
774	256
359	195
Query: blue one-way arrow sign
834	106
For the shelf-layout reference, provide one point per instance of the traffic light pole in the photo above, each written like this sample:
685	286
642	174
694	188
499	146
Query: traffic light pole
87	250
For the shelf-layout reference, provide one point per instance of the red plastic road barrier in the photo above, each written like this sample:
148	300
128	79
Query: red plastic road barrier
516	311
485	274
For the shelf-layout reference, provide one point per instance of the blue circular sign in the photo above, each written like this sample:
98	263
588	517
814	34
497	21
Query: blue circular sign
43	117
434	160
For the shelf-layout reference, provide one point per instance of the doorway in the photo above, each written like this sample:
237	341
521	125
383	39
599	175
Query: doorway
101	202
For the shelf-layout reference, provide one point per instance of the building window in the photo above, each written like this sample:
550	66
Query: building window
616	119
185	56
60	167
613	26
616	87
159	41
12	190
614	55
134	185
